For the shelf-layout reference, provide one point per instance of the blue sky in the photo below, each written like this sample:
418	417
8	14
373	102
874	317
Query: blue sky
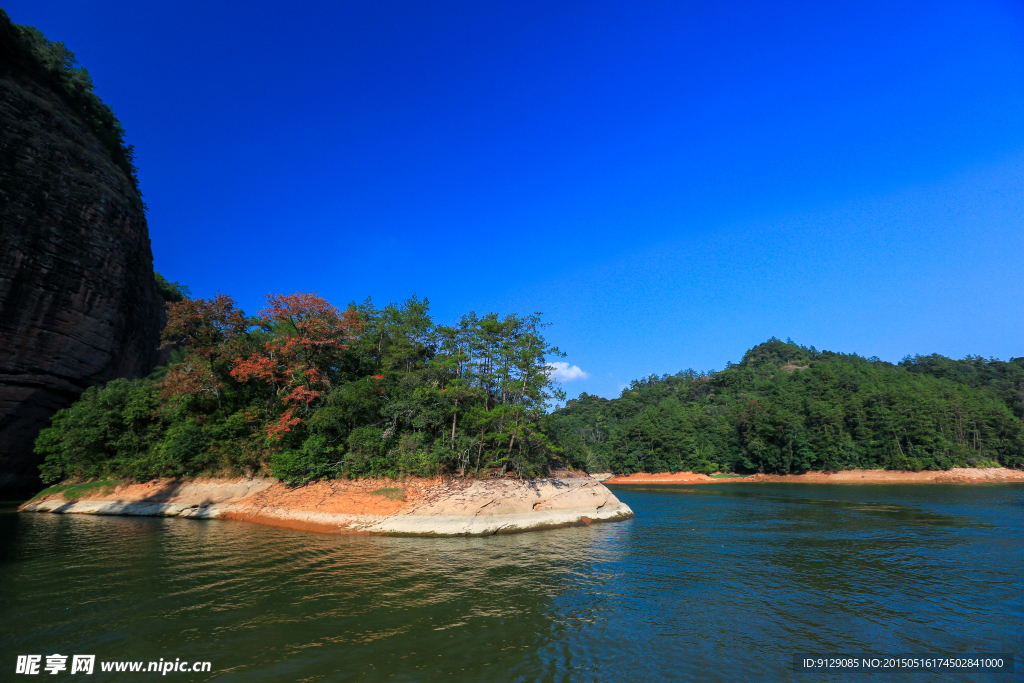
669	183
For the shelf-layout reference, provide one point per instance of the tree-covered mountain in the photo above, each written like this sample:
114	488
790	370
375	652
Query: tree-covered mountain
1001	379
788	409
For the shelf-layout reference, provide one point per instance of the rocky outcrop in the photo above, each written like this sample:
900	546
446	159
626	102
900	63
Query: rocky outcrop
78	302
411	508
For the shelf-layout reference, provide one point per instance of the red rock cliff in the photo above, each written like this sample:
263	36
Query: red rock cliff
78	302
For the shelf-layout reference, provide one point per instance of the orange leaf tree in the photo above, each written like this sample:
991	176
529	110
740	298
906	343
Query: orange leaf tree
209	330
306	336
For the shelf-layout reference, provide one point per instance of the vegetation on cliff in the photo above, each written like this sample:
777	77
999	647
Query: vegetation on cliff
25	51
788	408
170	291
305	390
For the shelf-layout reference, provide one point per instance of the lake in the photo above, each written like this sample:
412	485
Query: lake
719	582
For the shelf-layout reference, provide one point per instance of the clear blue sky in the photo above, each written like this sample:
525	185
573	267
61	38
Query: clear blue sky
669	183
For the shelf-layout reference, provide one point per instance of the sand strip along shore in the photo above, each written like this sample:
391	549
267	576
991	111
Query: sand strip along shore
956	475
413	507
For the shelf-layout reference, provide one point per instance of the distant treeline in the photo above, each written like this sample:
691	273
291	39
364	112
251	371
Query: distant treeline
305	390
786	408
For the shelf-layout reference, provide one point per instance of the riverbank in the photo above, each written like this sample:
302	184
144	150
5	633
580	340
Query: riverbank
413	507
956	475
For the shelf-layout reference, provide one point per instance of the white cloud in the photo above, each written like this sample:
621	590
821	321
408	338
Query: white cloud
563	372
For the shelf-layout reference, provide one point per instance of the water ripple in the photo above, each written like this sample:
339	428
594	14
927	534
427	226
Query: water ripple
722	583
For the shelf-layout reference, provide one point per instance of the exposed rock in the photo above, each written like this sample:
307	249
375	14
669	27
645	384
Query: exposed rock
427	507
78	302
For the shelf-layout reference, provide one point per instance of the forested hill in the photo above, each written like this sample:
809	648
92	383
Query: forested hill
788	408
1002	379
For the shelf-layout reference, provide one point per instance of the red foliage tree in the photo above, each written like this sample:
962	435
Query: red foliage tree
208	329
192	377
206	326
308	334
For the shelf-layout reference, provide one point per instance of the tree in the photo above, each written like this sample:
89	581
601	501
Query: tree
209	330
307	334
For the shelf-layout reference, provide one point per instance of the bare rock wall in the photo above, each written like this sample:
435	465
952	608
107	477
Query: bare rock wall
78	302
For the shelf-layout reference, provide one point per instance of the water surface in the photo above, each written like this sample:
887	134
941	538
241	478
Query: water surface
717	582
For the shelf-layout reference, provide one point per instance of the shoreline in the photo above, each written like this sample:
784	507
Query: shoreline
956	475
417	507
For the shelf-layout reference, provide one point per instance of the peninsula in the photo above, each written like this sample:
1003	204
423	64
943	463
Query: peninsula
413	507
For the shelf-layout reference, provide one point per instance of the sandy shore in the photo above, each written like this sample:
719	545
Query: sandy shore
957	475
413	507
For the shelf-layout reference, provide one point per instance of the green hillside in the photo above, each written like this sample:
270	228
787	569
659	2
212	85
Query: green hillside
788	409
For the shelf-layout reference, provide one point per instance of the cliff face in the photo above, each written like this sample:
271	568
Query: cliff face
78	302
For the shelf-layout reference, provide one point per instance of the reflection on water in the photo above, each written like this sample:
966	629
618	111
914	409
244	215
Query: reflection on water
708	583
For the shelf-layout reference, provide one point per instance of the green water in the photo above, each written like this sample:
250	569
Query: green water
723	582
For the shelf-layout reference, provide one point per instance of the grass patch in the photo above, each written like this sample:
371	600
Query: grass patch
391	493
728	476
79	491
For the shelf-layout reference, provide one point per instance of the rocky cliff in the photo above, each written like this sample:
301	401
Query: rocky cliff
78	300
